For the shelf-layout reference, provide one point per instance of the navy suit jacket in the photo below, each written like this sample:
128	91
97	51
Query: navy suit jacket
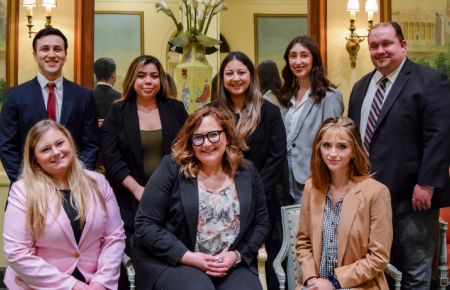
24	106
411	142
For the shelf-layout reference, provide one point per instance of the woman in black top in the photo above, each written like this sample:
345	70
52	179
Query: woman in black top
138	132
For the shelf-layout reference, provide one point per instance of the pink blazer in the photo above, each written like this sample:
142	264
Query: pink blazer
48	262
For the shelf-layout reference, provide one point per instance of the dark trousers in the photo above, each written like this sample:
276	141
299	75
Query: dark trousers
273	246
190	278
413	246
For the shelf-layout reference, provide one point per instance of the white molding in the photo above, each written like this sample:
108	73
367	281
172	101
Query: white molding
254	2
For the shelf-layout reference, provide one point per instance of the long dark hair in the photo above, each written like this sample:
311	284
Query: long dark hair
269	77
252	109
319	82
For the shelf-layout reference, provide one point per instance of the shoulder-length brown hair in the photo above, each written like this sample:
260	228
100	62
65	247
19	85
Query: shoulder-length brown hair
251	112
133	70
183	152
359	168
319	81
41	187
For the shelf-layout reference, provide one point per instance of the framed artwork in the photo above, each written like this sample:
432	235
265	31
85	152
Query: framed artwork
119	36
274	32
426	29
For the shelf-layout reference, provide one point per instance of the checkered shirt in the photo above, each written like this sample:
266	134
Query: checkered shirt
330	237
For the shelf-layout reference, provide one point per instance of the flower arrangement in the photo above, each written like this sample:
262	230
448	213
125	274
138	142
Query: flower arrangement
196	19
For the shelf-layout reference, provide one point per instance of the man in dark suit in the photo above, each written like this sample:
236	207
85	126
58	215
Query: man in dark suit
48	96
403	110
104	94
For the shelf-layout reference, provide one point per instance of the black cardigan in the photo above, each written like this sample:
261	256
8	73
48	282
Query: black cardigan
122	150
268	150
167	218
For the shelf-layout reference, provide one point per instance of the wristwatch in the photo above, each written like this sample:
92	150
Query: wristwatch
238	258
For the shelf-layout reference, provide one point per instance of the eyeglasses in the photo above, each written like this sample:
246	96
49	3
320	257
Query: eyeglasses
213	137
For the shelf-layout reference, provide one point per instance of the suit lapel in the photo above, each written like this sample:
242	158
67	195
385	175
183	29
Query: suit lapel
317	211
62	220
132	129
397	87
189	199
243	180
68	101
252	136
36	97
359	99
88	222
348	213
301	119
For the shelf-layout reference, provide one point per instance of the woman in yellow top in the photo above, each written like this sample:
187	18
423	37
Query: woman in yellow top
345	234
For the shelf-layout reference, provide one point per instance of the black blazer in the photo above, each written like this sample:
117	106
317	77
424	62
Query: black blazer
104	97
167	218
268	149
121	147
411	143
24	106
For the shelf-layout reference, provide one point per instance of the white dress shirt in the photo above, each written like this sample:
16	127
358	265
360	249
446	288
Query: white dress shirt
293	114
104	84
373	87
58	89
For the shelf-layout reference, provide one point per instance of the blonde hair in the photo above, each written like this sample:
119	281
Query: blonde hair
359	167
41	188
183	153
130	78
251	112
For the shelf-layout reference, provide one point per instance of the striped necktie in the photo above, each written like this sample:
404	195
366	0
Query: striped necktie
374	113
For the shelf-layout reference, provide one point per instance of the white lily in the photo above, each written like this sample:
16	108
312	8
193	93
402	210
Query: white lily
207	3
183	8
195	4
162	6
219	8
218	2
200	14
184	1
209	10
188	3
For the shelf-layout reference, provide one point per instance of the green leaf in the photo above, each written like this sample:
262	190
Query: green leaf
207	41
182	39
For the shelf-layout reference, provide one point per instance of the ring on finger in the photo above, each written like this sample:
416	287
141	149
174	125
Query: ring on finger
220	259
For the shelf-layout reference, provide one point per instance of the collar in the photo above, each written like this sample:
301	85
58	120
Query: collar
43	81
308	92
104	84
391	77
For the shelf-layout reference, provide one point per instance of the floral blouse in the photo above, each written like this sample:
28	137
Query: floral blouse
218	220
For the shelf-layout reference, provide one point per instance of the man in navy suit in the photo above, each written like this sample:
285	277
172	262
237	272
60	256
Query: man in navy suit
48	96
403	113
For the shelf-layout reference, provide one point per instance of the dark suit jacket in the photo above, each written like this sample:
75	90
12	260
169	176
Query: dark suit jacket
24	106
122	148
268	151
411	143
104	97
167	218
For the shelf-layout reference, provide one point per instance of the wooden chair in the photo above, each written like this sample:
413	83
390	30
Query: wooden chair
290	216
440	273
262	258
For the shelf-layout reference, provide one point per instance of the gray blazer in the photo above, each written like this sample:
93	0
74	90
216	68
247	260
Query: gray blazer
309	122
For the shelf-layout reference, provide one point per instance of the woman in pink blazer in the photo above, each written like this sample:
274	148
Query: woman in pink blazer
62	225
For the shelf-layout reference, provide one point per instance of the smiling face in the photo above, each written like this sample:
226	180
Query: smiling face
54	153
236	78
300	61
50	56
210	154
147	83
386	51
336	151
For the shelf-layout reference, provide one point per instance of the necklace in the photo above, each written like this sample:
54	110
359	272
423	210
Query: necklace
149	113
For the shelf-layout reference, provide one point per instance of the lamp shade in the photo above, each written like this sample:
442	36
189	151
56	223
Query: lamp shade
49	3
352	5
371	6
28	2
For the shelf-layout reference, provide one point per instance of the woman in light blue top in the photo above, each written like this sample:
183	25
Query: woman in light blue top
307	99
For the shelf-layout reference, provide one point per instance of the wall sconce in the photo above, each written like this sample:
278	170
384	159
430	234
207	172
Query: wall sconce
49	4
354	39
29	4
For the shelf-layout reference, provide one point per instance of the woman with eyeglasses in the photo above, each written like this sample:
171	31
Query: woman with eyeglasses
203	215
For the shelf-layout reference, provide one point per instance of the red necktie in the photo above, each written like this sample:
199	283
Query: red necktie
51	104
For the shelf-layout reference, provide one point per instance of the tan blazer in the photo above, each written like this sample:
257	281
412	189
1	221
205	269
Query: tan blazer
364	235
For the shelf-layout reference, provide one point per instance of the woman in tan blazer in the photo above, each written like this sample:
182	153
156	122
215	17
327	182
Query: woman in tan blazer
345	234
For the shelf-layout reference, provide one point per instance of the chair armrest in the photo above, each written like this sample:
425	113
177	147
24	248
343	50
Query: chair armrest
262	254
262	258
126	261
394	273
